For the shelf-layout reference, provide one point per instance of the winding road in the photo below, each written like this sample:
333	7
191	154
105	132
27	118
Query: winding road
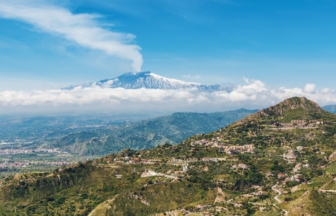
279	193
277	199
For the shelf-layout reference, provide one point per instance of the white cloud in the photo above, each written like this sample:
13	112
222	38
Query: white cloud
255	94
84	29
192	77
309	88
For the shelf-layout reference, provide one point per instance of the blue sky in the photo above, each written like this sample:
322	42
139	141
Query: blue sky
283	43
266	50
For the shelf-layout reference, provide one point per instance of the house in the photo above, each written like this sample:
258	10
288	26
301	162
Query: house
260	193
281	176
290	155
206	159
243	166
298	165
296	169
214	160
262	208
170	171
299	121
299	148
256	187
185	168
246	195
199	207
306	165
237	205
136	160
229	151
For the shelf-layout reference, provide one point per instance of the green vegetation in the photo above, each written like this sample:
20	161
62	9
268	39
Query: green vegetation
236	170
147	134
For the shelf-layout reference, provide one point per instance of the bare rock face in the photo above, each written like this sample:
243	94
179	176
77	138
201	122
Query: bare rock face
332	157
286	105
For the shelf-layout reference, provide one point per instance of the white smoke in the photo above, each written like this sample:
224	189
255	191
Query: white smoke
83	29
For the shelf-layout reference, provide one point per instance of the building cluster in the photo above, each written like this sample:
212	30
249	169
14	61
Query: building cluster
26	151
252	195
298	166
14	165
290	156
242	166
223	147
203	210
295	177
237	149
26	163
131	160
205	143
206	159
302	123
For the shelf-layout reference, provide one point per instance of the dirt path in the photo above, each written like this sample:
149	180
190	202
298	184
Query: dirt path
102	207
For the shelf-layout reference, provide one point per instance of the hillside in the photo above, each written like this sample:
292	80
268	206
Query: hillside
254	168
291	109
31	128
147	134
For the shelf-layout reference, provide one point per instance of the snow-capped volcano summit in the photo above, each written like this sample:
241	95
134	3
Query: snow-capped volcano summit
145	80
148	80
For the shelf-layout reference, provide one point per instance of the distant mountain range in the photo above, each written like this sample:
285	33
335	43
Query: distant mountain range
147	134
151	81
330	108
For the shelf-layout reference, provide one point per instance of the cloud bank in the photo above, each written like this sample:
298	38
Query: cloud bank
253	94
192	77
83	29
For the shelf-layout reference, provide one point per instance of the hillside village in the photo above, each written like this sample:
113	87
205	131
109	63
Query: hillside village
27	151
252	167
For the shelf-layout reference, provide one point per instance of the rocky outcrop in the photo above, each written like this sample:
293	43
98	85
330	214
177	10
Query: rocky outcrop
332	157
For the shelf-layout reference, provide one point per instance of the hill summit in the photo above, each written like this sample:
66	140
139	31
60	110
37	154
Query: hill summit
295	108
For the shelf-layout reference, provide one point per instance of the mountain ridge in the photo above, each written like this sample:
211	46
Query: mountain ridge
284	111
148	80
149	133
245	169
